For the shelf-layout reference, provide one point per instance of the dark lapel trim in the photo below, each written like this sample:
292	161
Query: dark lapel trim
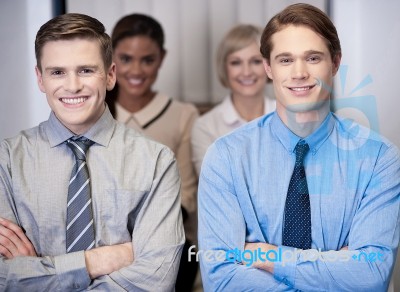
159	115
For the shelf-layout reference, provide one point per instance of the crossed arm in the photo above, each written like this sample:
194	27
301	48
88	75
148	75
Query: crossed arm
149	259
222	227
99	261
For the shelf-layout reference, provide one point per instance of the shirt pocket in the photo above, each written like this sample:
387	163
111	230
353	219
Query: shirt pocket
117	210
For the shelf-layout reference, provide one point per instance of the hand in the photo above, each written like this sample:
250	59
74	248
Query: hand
107	259
264	248
13	241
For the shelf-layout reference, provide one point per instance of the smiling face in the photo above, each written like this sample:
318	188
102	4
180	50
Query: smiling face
245	72
302	71
75	81
138	60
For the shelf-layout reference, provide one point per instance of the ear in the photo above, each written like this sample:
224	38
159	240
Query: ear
336	63
40	79
111	76
267	68
163	54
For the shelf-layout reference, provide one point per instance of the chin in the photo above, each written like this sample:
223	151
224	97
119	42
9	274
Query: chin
307	106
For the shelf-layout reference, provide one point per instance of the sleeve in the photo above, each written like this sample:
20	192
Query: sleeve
66	272
201	139
185	165
222	229
157	241
157	237
373	241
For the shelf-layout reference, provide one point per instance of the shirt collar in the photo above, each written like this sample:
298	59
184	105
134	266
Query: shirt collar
231	116
101	132
289	140
146	114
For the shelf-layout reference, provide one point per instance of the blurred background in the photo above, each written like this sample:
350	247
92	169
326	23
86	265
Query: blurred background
365	87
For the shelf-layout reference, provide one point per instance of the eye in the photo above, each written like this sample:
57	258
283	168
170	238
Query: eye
256	61
56	72
149	60
285	61
87	70
125	59
235	62
314	59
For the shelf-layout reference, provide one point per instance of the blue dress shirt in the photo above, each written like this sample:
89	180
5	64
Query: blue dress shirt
353	176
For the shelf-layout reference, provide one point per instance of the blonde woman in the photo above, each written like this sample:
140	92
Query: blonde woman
240	69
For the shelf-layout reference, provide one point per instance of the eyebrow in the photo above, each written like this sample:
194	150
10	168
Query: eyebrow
306	53
151	55
59	68
55	68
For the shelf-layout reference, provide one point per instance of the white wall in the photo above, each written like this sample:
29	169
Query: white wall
369	31
22	104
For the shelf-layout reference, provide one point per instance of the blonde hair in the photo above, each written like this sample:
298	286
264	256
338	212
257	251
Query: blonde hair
236	39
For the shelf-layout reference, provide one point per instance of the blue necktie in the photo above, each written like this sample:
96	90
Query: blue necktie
80	228
297	221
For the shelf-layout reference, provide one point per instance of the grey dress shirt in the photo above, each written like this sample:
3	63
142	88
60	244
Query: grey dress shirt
135	194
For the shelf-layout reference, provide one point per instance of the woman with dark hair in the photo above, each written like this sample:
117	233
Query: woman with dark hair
138	51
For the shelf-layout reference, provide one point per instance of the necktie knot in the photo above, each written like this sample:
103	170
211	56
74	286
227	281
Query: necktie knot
301	151
79	147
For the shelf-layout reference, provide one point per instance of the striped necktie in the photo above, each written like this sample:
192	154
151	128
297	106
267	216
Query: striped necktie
297	220
80	227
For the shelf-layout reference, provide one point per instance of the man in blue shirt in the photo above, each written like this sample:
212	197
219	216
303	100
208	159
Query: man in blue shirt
350	219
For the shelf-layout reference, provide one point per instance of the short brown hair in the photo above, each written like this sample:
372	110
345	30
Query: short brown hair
70	26
301	14
236	39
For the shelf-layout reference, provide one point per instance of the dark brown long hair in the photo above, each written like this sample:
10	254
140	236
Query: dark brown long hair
129	26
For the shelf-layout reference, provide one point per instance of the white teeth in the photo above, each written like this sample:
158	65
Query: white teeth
300	88
135	81
247	82
74	100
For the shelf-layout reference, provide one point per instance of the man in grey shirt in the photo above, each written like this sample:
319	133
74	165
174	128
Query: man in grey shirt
134	182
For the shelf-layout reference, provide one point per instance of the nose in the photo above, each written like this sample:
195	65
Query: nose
73	83
247	70
135	68
299	70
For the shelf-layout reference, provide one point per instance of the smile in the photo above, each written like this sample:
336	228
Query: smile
76	100
302	88
247	82
135	81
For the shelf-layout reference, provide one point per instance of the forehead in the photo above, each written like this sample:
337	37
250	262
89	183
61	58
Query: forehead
252	49
74	52
139	43
296	40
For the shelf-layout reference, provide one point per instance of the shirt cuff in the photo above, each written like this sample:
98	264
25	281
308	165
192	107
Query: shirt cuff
285	265
72	272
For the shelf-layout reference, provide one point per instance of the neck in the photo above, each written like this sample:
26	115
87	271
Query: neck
303	123
134	103
249	108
